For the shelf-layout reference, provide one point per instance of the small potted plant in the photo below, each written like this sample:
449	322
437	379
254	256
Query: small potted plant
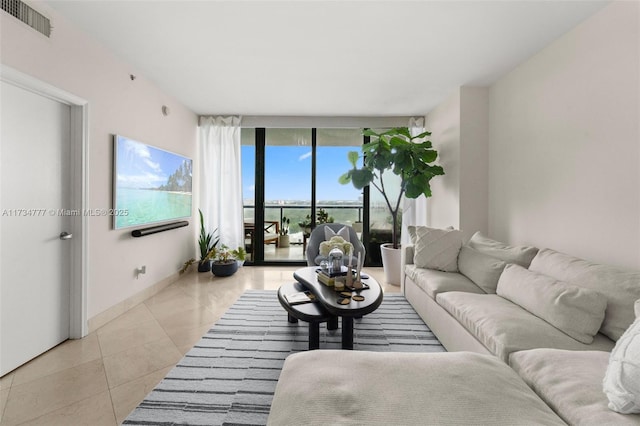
205	244
283	239
224	261
305	225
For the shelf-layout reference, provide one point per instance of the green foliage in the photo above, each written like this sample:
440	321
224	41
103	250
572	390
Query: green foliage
225	255
205	241
322	216
284	225
395	150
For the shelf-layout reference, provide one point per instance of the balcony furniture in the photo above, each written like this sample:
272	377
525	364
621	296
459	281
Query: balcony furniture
271	232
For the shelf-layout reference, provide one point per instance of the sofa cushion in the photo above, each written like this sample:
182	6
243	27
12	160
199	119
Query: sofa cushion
620	287
482	269
575	310
570	383
435	248
622	378
331	387
504	327
520	255
434	282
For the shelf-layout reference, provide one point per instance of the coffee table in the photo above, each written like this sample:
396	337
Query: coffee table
328	298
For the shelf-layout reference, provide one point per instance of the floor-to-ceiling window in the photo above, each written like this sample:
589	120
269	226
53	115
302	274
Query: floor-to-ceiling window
293	174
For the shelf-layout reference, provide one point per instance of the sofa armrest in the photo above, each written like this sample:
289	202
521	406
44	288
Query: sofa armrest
407	255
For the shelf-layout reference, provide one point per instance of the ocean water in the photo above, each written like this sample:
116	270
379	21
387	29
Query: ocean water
145	206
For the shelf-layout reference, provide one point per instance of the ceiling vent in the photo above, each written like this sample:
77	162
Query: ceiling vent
28	15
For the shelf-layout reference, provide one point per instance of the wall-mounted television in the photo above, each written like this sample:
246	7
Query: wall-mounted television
150	185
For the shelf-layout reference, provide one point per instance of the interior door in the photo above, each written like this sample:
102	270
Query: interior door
34	250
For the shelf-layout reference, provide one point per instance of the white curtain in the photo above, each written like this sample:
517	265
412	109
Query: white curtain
414	211
221	178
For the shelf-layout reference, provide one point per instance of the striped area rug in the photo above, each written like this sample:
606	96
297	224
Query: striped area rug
230	375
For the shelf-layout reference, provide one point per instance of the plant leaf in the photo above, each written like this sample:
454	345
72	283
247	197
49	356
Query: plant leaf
353	157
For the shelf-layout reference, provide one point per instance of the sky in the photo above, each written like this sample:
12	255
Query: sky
143	166
288	173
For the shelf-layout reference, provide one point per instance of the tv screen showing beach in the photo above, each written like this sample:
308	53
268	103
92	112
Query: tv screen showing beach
151	185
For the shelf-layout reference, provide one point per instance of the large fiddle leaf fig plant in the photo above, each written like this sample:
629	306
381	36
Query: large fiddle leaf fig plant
396	151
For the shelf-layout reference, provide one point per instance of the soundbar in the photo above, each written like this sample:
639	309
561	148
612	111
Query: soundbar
159	228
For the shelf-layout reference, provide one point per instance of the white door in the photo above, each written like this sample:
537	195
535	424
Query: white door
34	189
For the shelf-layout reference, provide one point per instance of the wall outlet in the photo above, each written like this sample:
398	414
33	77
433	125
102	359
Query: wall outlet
141	270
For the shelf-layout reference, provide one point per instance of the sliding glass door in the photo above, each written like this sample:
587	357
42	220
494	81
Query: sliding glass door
293	174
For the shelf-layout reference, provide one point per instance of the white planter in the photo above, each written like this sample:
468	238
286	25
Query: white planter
391	262
283	241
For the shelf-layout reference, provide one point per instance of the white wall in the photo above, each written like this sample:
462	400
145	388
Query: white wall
73	62
459	132
565	145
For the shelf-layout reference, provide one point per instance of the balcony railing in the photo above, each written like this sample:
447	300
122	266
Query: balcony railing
297	213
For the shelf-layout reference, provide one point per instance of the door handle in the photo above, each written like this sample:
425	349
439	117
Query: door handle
66	236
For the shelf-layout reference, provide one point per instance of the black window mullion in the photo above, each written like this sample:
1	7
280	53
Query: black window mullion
258	250
366	238
313	177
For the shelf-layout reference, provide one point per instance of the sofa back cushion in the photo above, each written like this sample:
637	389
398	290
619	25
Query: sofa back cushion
482	269
435	248
620	287
576	311
521	255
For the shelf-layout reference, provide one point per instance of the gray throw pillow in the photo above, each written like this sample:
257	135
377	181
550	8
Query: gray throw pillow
576	311
435	248
482	269
520	255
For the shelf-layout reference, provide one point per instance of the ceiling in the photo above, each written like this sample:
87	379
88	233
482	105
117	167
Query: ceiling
323	58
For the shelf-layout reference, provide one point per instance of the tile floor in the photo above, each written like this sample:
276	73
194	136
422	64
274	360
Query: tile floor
98	380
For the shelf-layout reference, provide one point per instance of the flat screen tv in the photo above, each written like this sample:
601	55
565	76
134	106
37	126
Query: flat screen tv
150	185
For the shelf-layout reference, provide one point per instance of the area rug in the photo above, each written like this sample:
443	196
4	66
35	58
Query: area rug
230	375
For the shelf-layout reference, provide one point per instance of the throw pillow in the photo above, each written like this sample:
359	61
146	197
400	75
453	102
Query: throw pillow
342	232
435	248
621	382
576	311
482	269
335	242
520	255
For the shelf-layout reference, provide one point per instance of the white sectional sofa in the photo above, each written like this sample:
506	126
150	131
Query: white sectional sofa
513	316
527	306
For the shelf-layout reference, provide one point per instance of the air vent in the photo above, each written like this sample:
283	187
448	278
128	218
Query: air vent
28	15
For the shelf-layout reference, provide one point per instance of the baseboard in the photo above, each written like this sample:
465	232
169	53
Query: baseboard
118	309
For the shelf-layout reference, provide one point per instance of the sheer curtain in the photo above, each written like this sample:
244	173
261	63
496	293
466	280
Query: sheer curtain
414	211
221	178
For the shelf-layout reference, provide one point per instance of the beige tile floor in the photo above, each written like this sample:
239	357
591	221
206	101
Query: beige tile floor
98	380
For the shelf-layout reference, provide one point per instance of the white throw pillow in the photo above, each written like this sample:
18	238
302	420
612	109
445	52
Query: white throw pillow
621	382
435	248
576	311
342	232
482	269
521	255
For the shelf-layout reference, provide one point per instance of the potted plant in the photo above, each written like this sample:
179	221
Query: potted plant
224	261
408	157
283	239
205	244
305	225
